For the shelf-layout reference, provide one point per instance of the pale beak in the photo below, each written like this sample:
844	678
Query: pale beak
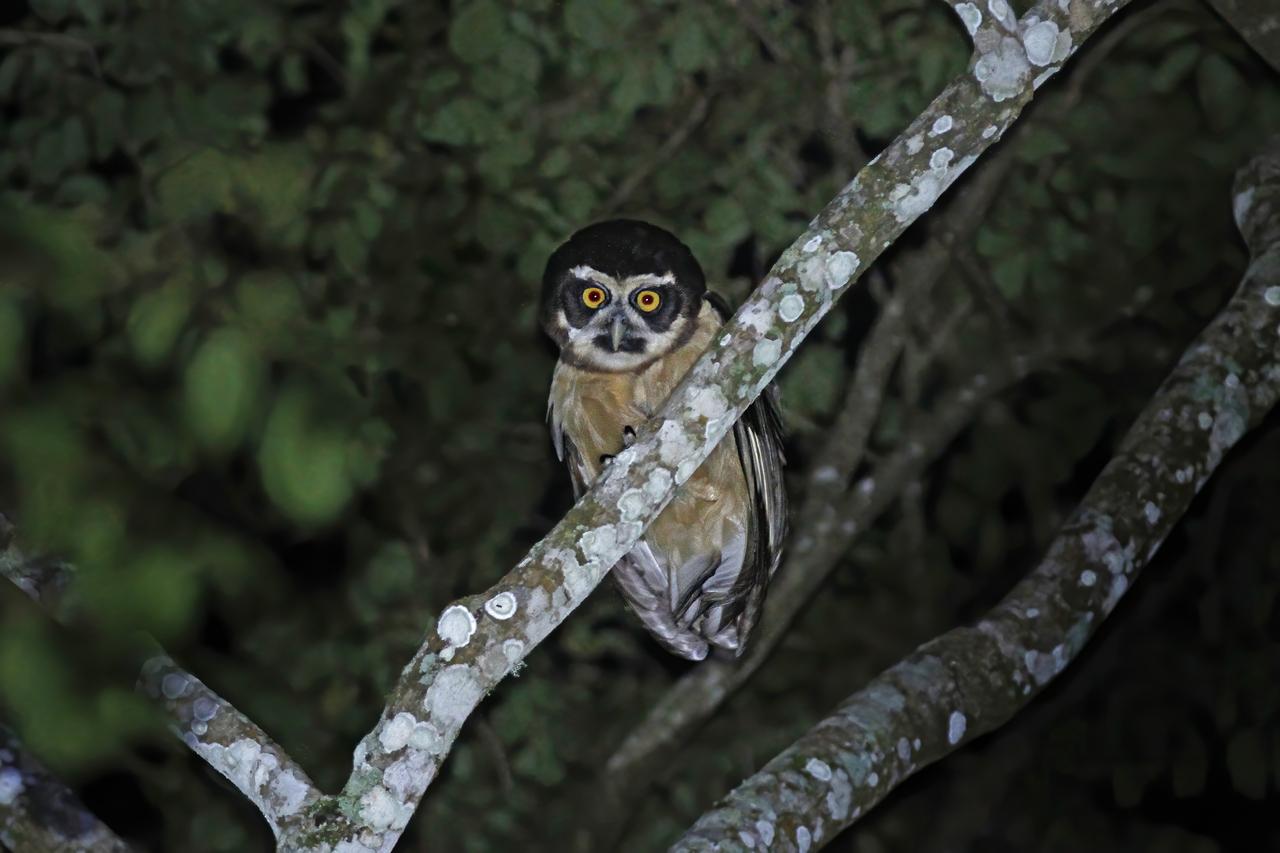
617	330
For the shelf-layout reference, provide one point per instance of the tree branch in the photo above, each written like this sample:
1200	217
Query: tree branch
230	742
1258	22
970	680
39	814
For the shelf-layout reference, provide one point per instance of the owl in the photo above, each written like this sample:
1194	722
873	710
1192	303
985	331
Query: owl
628	305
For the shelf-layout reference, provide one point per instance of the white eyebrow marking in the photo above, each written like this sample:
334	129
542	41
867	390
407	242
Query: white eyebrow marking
590	274
649	279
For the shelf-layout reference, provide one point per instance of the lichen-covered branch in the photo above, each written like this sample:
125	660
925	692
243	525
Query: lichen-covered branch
231	743
970	680
479	639
817	550
39	814
1258	22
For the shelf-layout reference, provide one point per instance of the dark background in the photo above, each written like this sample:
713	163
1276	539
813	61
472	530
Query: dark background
270	377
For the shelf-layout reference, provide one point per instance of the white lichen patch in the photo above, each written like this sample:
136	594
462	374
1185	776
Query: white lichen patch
766	352
175	685
812	244
204	709
1272	296
11	785
574	574
956	725
1003	71
941	159
803	839
970	16
1240	206
709	402
1033	612
456	625
1204	420
764	829
791	307
378	809
406	778
600	546
818	769
941	125
426	738
990	131
873	779
908	201
513	649
758	315
660	480
1119	584
915	144
502	606
1088	577
396	733
289	793
674	445
452	695
840	797
1041	42
1152	512
633	504
904	749
841	268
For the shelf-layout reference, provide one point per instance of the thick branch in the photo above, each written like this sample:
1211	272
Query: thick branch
39	814
479	639
970	680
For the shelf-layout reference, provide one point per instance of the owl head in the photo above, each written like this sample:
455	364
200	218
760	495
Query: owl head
621	294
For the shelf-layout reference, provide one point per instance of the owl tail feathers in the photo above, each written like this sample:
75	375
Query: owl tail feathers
644	585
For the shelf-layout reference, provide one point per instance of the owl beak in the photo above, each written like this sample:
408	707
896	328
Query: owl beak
616	331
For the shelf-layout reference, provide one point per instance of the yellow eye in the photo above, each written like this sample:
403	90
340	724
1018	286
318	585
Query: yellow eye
648	301
594	297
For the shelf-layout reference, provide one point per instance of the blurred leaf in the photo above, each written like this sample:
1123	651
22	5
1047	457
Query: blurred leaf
221	388
476	31
303	462
156	320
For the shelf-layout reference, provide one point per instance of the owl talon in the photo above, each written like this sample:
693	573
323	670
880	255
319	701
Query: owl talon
606	458
628	436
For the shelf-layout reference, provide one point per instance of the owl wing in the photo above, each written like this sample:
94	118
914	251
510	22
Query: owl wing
758	435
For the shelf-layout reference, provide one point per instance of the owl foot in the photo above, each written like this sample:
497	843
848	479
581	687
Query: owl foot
628	439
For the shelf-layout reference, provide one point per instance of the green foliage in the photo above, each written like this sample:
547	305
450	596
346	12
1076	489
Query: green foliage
270	374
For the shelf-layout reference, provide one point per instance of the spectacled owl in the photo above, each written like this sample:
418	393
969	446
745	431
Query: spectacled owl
628	305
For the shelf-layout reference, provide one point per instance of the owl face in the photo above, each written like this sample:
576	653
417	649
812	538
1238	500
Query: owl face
620	294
